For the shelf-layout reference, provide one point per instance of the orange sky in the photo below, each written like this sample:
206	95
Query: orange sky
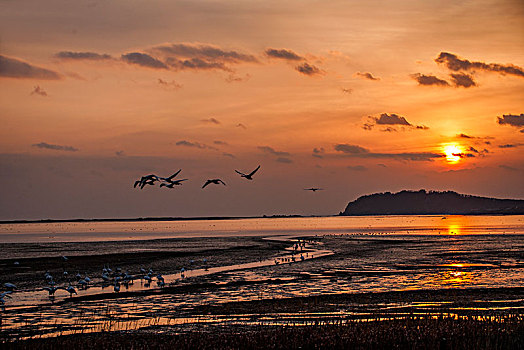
351	96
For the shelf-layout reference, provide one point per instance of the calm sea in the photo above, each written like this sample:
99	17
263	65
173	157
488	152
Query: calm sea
140	230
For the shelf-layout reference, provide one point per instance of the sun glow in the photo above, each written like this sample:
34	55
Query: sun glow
453	153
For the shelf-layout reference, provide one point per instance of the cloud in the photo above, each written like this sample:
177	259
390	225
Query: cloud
270	150
350	149
284	160
195	145
318	152
307	69
120	153
172	85
464	136
90	56
423	79
357	167
367	75
181	56
507	167
44	145
211	121
221	143
232	78
207	52
284	54
510	145
14	68
240	125
463	80
196	64
456	64
511	119
390	119
229	155
143	60
39	91
361	152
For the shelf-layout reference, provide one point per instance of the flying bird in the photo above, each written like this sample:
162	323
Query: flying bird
250	175
146	180
313	189
170	178
172	183
214	181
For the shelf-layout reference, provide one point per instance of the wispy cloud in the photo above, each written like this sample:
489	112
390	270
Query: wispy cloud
463	80
318	152
423	79
242	126
221	143
15	68
89	56
185	143
516	120
284	54
229	155
197	56
270	150
307	69
361	152
37	90
366	75
120	153
284	160
45	145
357	167
454	63
390	120
170	85
211	121
143	60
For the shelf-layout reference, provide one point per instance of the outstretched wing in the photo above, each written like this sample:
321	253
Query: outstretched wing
241	174
207	183
174	175
254	171
222	182
137	182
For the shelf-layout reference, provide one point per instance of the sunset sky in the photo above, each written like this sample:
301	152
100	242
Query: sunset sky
354	97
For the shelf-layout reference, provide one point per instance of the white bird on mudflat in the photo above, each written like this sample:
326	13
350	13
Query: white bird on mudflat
9	286
250	175
51	290
70	290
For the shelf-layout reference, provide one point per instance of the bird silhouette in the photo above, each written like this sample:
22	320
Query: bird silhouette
313	189
172	183
170	178
214	181
250	175
148	179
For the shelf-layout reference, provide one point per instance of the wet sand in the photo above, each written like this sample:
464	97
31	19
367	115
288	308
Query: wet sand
250	282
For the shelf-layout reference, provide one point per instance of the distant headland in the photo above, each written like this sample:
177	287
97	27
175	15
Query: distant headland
431	202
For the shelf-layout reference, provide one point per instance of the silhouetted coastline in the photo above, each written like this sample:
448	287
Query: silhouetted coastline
431	203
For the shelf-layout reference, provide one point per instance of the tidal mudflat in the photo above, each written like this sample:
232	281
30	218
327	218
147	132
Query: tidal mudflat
228	279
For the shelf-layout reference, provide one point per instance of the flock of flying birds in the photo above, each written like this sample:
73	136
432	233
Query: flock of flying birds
170	182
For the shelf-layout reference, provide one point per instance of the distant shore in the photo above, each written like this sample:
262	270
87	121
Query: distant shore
223	218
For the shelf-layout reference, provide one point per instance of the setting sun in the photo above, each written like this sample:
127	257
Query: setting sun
453	153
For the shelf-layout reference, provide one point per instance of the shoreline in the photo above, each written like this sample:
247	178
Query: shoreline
225	218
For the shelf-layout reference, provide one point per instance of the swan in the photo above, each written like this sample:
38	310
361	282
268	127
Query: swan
313	189
214	181
250	175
